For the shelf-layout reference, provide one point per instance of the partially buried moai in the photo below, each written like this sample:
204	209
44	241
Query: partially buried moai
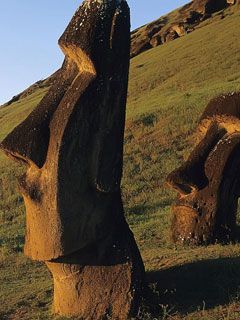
208	183
72	146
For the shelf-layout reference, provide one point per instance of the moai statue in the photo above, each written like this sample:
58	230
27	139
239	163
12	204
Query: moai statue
72	146
208	183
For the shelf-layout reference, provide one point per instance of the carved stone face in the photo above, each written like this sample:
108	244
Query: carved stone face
208	183
72	142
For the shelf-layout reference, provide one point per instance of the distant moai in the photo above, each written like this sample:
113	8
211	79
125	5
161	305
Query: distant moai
72	146
208	183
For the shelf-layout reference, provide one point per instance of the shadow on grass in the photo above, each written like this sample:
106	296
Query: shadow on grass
143	209
194	286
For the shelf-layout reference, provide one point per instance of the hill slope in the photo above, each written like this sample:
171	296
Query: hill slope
179	22
176	24
169	88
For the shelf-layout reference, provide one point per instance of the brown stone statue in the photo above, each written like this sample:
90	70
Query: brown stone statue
208	183
72	146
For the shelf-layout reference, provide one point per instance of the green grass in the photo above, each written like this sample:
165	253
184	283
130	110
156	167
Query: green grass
169	88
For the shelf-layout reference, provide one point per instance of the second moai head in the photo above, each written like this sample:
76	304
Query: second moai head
208	183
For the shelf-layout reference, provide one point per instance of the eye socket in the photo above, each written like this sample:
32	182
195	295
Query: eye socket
184	188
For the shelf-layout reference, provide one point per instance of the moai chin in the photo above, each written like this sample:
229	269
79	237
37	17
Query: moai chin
72	146
208	183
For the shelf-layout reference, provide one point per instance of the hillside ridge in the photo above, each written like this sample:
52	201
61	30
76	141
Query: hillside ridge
175	24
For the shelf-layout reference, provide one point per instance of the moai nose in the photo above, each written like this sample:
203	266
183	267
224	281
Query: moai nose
191	176
28	142
180	181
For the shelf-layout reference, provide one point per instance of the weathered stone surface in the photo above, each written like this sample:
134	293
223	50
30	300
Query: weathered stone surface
140	45
72	146
208	183
185	21
179	29
212	6
156	40
102	281
170	35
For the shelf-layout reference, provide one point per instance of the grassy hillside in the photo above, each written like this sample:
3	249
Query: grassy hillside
169	88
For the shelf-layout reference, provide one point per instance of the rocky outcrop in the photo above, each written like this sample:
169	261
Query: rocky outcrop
205	7
185	21
72	147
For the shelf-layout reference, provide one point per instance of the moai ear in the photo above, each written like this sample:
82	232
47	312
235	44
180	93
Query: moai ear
110	147
221	157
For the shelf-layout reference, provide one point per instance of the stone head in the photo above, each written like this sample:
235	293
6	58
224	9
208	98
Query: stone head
208	183
72	143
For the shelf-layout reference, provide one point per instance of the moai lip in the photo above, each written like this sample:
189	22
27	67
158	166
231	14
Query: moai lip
72	146
208	183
